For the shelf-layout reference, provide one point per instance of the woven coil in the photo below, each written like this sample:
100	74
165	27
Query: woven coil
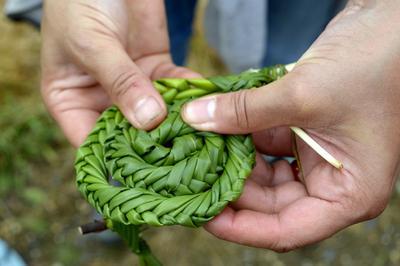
172	174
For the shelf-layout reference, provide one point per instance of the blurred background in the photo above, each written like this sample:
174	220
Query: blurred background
40	207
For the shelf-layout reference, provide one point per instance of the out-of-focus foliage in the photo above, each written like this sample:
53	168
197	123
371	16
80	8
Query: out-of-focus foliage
40	207
28	139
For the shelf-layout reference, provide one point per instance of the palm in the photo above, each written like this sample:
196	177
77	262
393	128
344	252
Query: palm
274	200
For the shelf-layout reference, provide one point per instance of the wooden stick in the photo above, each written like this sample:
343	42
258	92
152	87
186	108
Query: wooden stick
316	147
312	143
93	227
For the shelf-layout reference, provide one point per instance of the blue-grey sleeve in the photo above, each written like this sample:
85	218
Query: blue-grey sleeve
24	10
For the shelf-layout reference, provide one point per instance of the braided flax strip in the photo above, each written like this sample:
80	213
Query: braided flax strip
172	174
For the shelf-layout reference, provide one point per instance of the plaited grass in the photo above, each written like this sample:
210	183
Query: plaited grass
171	175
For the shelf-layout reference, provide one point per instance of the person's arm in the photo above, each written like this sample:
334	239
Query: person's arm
345	92
96	53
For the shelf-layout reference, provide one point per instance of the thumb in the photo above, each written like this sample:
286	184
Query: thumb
128	87
245	111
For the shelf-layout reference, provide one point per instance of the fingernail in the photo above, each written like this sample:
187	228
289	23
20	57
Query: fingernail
200	111
146	110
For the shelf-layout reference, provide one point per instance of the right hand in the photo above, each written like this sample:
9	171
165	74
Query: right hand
345	92
96	53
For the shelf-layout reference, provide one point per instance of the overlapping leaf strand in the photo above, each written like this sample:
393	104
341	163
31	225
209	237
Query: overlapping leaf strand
172	174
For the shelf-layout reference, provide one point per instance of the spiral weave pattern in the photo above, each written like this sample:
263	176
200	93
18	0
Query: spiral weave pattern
172	174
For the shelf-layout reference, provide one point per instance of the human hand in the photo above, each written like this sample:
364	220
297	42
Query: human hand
345	93
96	53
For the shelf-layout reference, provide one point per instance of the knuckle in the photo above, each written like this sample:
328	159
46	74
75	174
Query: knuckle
123	83
221	234
50	93
81	43
301	96
240	109
284	245
299	100
282	249
45	85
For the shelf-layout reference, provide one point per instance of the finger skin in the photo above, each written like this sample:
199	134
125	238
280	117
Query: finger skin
246	111
77	124
274	141
304	222
92	57
265	174
125	83
269	200
344	93
75	109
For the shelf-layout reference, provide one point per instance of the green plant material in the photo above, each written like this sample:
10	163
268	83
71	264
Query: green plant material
131	235
34	196
34	224
28	138
171	175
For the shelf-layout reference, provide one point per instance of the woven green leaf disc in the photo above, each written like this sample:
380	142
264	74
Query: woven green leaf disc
172	174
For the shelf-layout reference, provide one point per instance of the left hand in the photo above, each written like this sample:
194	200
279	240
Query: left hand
104	52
